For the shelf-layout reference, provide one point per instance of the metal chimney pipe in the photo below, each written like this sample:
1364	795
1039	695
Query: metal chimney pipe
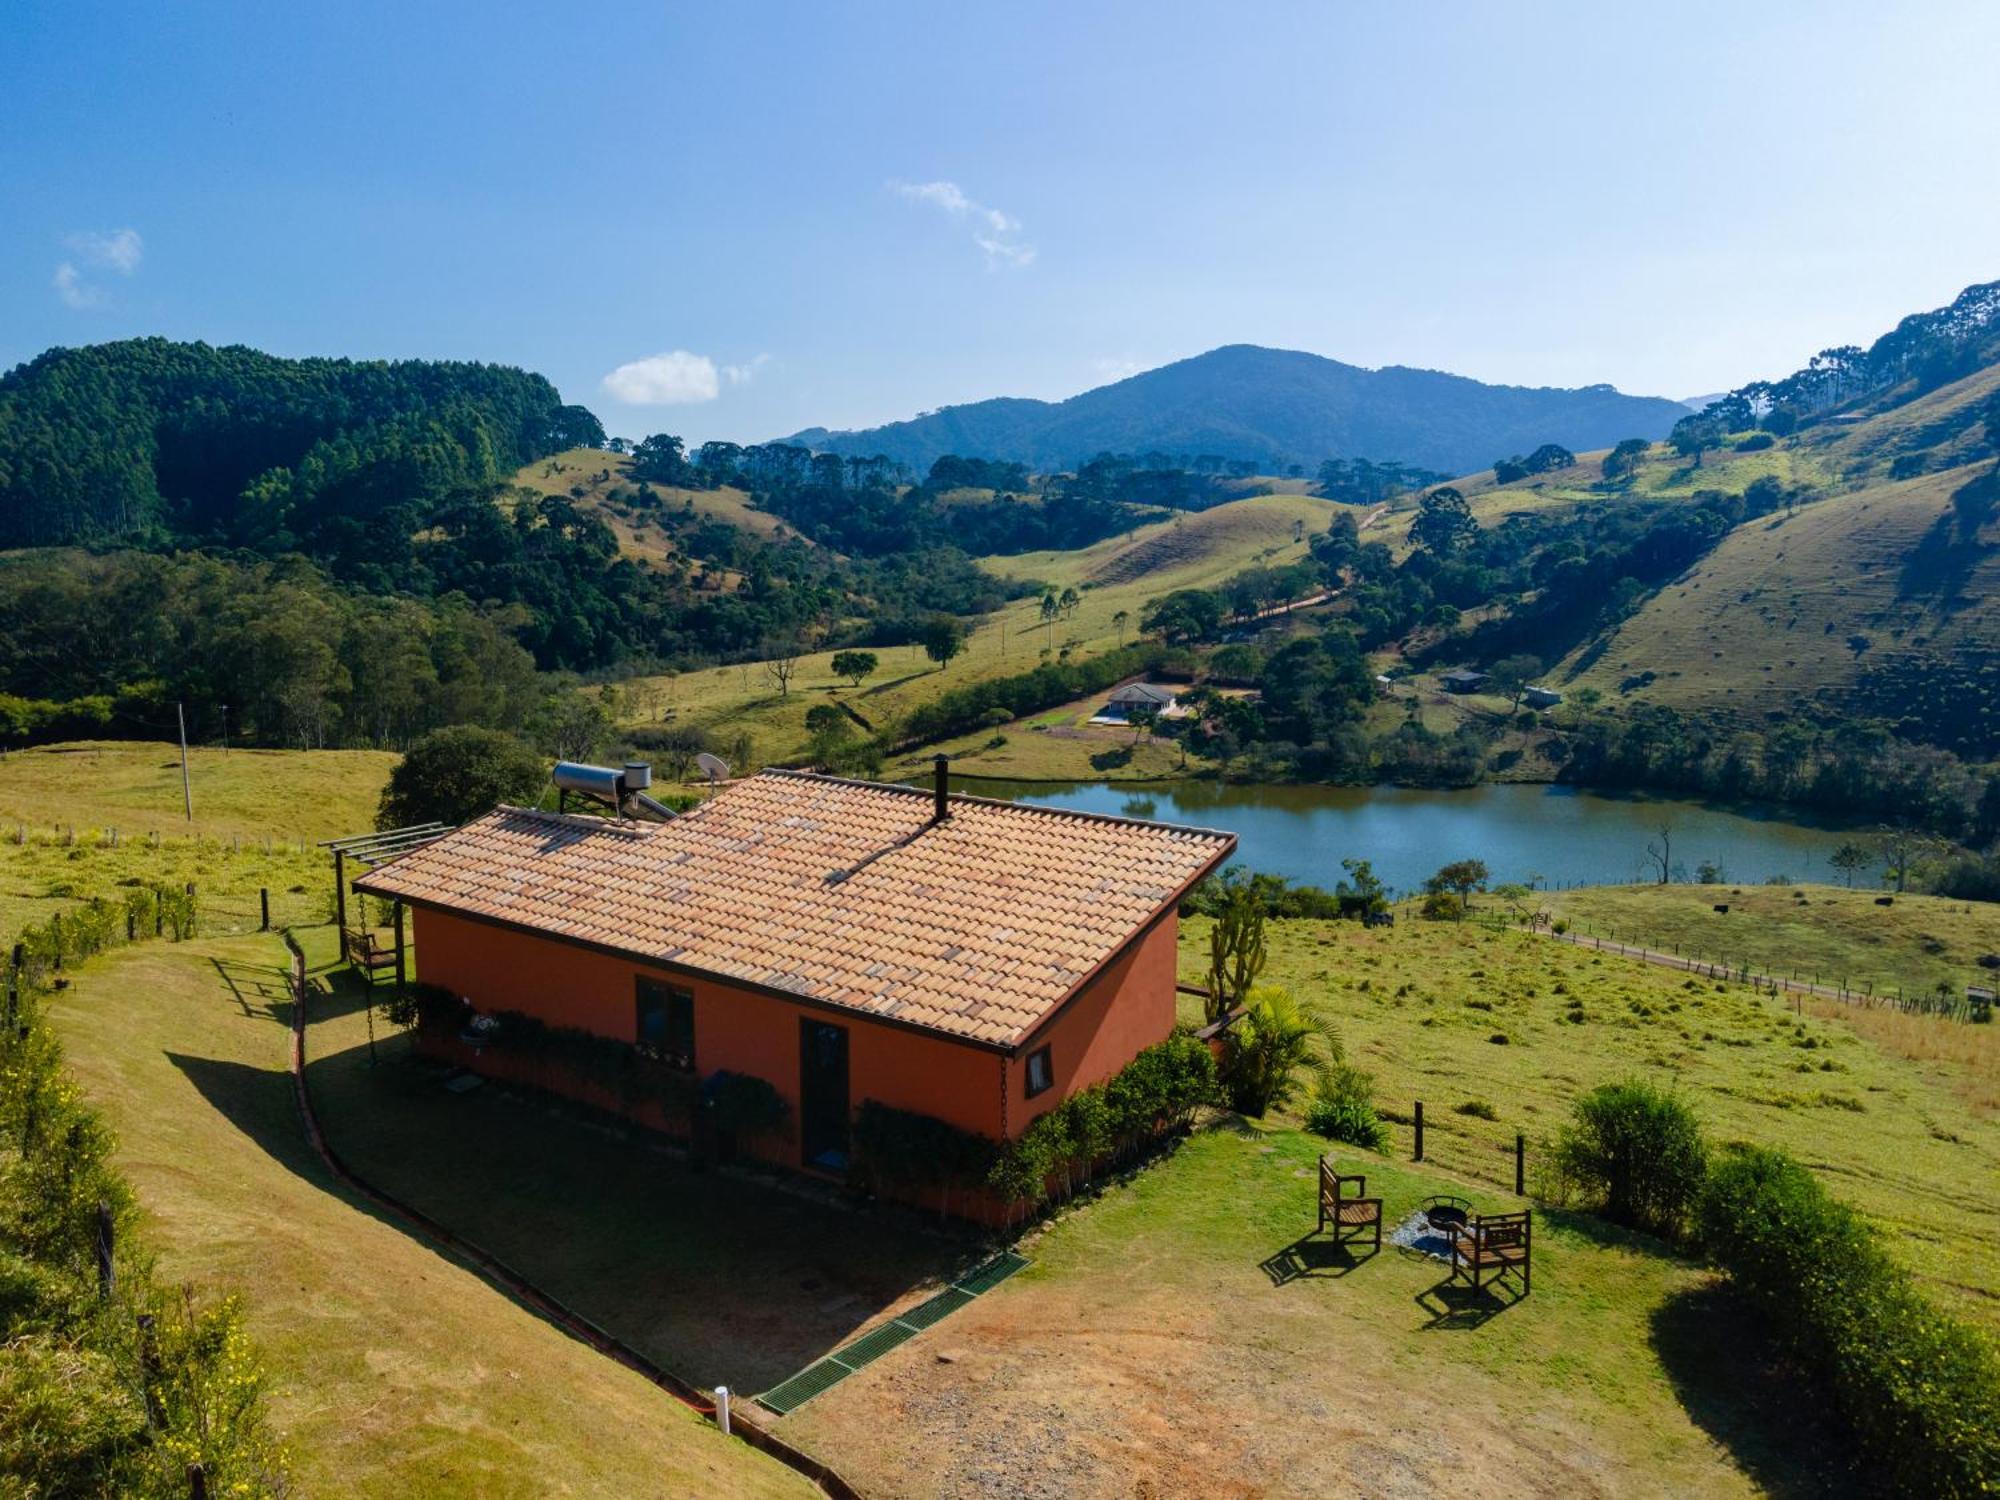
941	772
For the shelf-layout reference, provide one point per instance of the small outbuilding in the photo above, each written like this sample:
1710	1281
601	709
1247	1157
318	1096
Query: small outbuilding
1540	697
1462	680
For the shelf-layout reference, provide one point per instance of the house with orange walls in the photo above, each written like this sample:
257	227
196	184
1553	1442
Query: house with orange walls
973	960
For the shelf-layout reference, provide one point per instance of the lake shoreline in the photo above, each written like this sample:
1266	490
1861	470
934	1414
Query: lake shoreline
1534	833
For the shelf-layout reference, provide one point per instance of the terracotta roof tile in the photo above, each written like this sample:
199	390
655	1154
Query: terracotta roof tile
843	891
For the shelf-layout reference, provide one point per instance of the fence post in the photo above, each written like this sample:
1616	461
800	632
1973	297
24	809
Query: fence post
722	1408
105	1232
340	893
264	899
1420	1131
1520	1164
149	1371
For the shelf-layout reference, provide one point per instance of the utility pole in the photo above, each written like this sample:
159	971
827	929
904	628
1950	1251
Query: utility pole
225	729
187	797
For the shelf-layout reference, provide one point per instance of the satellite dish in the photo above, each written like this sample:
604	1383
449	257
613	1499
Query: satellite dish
714	767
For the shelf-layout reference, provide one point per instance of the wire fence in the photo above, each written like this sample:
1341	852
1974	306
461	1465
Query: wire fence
1970	1003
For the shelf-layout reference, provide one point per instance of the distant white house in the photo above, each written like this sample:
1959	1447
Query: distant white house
1118	709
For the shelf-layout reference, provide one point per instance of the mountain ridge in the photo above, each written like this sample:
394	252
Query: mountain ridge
1276	407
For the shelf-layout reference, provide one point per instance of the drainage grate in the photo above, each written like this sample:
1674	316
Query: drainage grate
805	1385
990	1275
872	1345
790	1395
943	1305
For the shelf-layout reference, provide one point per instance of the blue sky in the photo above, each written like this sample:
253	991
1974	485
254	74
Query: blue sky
755	217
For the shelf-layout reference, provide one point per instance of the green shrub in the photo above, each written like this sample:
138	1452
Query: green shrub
1266	1050
1478	1109
903	1149
75	1392
1154	1095
743	1104
1636	1154
1443	906
1919	1390
1342	1108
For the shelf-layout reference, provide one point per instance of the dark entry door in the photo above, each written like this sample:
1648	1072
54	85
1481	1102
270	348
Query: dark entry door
823	1095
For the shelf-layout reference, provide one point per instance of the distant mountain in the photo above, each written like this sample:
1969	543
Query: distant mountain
1275	407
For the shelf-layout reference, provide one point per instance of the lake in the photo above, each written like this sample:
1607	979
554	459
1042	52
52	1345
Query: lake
1523	832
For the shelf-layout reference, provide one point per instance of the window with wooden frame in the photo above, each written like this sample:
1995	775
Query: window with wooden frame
665	1022
1041	1072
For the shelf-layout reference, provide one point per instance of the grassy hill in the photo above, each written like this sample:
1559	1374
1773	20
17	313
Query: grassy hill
1821	607
134	786
608	490
1116	576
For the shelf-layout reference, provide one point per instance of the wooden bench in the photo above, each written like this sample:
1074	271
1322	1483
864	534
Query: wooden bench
1491	1247
1343	1205
362	953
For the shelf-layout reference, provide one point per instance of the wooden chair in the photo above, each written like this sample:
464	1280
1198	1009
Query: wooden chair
1492	1247
1342	1204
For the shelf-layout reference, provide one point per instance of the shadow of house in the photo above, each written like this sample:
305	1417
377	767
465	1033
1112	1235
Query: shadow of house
716	1277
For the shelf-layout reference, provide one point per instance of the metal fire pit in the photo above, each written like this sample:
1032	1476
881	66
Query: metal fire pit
1447	1214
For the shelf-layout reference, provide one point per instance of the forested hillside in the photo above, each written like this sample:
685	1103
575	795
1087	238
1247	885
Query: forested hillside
151	437
332	552
1272	409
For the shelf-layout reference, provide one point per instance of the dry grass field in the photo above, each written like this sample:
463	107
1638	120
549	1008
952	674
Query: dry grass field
395	1371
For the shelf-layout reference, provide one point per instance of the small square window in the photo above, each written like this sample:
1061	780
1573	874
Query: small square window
666	1023
1041	1072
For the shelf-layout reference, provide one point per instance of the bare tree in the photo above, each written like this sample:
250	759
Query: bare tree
1661	852
781	664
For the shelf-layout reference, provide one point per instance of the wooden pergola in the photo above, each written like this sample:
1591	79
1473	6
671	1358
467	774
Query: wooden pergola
357	946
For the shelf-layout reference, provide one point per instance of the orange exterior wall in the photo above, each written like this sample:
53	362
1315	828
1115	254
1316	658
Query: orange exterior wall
737	1029
1128	1006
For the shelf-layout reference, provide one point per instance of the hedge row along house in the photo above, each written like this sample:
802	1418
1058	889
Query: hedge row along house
971	960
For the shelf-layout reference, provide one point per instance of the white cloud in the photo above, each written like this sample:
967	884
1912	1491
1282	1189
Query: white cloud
996	233
744	374
676	378
117	250
73	289
1112	368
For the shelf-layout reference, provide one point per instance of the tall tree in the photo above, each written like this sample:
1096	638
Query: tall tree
1444	525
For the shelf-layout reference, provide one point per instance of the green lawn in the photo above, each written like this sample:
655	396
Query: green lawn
1899	1118
395	1371
1177	1338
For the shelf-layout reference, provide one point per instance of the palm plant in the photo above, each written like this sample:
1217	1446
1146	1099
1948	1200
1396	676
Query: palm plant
1276	1040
